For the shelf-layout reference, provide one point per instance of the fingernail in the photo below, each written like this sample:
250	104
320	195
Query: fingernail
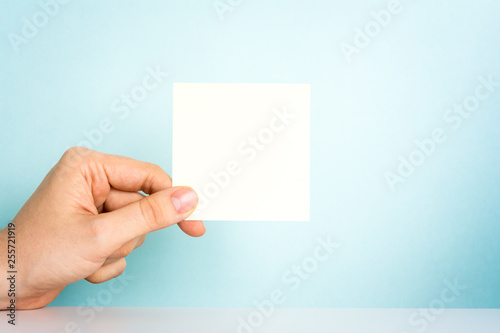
184	199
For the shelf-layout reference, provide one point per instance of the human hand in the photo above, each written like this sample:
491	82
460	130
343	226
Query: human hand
85	218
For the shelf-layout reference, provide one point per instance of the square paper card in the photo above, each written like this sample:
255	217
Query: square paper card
244	148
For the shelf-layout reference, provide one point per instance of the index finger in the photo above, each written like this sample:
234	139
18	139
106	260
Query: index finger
127	174
122	173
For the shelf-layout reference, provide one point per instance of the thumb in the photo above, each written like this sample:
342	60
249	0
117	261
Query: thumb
156	211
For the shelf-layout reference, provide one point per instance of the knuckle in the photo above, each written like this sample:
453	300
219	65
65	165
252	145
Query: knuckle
97	233
161	171
76	152
95	278
168	179
156	173
141	241
124	251
74	156
155	168
152	212
104	274
70	152
95	229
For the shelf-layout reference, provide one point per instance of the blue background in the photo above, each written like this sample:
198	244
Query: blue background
397	248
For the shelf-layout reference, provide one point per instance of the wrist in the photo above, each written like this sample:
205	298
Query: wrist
13	292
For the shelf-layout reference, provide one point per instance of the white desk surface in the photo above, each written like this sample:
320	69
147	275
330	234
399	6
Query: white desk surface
222	320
